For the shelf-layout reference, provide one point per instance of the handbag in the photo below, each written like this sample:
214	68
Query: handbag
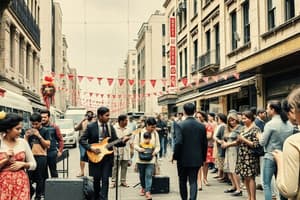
146	155
258	151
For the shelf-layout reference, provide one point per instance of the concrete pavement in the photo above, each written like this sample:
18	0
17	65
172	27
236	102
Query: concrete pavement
214	191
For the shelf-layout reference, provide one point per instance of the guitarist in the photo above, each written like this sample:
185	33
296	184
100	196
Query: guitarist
95	133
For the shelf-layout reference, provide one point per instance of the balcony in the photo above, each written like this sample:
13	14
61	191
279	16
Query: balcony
209	62
21	10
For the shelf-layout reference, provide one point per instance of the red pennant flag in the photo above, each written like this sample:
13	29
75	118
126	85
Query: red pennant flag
184	81
216	78
164	81
91	94
152	81
108	95
90	78
101	95
236	75
142	82
80	78
61	75
70	76
99	80
110	81
131	82
121	81
120	96
154	93
114	96
97	94
205	79
148	94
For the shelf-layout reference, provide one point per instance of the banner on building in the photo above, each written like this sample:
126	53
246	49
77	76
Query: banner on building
172	54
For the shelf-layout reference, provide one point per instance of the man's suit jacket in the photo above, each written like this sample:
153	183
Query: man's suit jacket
90	136
191	143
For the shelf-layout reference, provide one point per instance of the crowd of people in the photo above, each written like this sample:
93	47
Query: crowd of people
238	146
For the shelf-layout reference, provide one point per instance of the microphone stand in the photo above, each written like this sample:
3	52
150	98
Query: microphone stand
117	174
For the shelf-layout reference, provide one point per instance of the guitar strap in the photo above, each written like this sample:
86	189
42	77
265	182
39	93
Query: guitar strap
109	129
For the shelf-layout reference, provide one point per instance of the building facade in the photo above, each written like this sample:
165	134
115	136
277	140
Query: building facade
20	70
150	53
131	81
230	54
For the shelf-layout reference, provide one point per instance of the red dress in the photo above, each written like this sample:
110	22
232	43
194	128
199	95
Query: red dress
210	145
14	185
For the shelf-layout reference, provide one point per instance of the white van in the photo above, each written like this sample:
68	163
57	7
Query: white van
69	135
75	113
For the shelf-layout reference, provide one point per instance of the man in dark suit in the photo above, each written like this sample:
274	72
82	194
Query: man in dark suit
95	133
190	151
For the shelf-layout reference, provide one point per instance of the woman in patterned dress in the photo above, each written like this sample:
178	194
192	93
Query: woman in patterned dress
248	164
15	157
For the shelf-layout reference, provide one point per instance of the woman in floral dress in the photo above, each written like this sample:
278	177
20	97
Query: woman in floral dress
15	157
248	164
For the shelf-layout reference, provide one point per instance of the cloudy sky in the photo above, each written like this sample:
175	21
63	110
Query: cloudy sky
99	47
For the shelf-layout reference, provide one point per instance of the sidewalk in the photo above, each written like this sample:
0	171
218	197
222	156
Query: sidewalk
214	191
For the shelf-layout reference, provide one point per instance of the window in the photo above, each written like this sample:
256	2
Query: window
195	7
217	42
164	72
163	50
246	22
27	62
180	64
207	37
271	14
195	53
21	55
34	68
12	47
133	63
163	29
185	61
289	9
234	36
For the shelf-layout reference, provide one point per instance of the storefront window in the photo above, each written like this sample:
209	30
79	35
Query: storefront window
211	105
243	100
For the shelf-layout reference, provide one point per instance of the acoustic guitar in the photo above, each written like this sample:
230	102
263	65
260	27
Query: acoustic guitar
104	147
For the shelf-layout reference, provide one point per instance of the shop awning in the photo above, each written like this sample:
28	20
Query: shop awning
227	89
217	91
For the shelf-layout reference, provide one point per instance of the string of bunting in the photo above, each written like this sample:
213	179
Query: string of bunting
184	81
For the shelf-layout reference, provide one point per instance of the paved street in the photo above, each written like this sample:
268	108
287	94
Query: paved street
215	191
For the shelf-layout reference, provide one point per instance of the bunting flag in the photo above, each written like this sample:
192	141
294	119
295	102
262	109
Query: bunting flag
184	81
71	76
80	78
236	75
99	80
142	82
90	78
215	78
121	81
110	81
153	82
164	82
61	75
131	82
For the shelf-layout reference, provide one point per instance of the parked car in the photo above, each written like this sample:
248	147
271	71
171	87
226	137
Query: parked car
70	136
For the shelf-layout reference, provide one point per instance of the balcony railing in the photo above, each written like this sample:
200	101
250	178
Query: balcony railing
210	58
21	10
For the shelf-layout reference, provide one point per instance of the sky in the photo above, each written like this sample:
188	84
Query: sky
99	48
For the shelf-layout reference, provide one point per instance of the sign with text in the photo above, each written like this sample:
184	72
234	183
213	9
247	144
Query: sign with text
172	53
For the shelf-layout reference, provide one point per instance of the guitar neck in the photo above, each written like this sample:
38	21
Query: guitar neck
111	144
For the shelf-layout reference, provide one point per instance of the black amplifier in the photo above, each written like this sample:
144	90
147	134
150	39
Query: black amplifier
160	184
